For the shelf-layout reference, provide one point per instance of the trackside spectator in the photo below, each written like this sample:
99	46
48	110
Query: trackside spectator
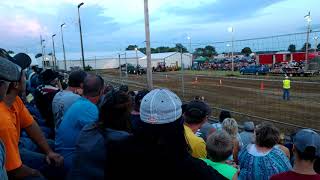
306	149
65	98
135	114
102	144
247	136
14	118
195	116
45	93
223	115
84	111
230	125
219	148
160	148
263	159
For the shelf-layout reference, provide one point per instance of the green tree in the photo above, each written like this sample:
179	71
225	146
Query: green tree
199	52
209	51
131	47
180	47
318	47
292	48
246	51
304	46
143	50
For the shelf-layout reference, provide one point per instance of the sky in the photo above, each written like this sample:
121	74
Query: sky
110	25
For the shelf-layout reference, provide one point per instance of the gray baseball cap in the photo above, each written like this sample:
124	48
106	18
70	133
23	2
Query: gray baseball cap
160	106
307	138
9	71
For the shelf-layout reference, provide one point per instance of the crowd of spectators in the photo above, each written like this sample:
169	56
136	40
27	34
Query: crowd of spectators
80	127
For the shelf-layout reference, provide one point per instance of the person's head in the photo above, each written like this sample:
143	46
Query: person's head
75	81
267	135
23	61
196	112
115	111
124	88
230	125
49	77
9	72
223	115
248	126
138	98
162	125
306	145
93	87
219	146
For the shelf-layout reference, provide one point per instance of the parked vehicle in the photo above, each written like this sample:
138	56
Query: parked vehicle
254	70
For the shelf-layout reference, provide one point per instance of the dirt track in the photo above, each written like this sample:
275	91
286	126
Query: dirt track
245	96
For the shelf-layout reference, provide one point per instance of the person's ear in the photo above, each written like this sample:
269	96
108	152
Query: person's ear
81	85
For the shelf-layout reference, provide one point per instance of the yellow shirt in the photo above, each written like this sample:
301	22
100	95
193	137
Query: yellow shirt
197	144
286	84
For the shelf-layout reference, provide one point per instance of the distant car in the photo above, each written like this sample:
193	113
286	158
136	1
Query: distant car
254	70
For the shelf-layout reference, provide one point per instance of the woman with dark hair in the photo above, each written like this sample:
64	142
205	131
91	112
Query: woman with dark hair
264	158
100	145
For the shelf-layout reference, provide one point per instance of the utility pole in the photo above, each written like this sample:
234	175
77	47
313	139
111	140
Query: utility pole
64	51
120	72
148	50
41	44
125	59
54	53
316	43
82	53
308	18
182	73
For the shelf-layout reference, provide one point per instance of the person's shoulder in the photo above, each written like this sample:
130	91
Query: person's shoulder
199	167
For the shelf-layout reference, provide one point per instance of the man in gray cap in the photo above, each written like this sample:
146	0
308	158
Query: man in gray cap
14	118
306	148
8	72
247	135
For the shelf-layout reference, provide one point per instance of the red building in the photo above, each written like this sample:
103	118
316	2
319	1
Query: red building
279	57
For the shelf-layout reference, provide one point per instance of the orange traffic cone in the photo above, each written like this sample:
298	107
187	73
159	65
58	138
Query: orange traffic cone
261	86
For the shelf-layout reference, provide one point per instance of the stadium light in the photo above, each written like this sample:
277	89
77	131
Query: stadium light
190	51
54	52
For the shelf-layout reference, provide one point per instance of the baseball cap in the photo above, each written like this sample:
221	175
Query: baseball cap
160	106
9	71
48	75
197	109
248	126
20	59
307	138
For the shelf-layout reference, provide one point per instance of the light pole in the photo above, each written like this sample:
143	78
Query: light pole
54	52
82	53
148	50
231	30
228	49
316	43
136	49
64	51
41	43
308	19
190	50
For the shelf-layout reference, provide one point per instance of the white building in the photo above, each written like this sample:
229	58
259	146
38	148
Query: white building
169	58
97	60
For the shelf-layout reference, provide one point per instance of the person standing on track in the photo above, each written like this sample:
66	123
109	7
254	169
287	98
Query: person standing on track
286	88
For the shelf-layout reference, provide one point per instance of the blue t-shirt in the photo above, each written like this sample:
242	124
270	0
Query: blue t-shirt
81	113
